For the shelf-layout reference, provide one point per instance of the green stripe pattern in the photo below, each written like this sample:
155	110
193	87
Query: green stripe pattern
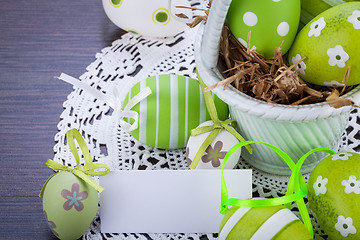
251	223
175	106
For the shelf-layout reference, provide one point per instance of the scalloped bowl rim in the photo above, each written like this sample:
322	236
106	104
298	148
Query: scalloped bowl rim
241	101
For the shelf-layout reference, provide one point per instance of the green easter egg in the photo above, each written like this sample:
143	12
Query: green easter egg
276	222
312	8
330	43
270	23
69	205
334	195
175	106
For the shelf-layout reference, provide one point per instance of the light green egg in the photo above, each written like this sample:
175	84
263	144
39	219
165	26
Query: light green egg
270	23
276	223
175	106
312	8
69	205
330	43
334	195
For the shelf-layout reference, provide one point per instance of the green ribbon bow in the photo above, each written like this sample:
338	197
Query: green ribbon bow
296	190
214	129
80	171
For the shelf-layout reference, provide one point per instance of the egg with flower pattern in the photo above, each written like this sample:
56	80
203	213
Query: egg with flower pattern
215	152
334	195
312	8
330	45
69	205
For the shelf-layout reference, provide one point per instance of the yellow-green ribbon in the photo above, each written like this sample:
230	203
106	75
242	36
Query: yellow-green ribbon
80	171
214	129
296	190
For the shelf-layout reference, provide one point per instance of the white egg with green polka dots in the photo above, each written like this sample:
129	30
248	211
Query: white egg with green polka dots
330	43
148	18
271	22
334	195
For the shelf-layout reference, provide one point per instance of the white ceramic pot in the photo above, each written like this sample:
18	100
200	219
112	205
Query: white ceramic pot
294	129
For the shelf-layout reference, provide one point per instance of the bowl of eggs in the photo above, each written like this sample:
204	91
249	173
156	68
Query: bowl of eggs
328	50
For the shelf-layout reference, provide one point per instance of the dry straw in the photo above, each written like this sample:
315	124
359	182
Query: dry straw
269	80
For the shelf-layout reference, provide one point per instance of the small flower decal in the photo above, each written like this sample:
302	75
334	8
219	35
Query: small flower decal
334	84
345	226
189	161
316	27
51	224
355	19
301	67
214	154
341	155
74	198
320	185
351	185
337	56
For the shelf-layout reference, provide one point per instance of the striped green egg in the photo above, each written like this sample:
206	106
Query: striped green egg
175	106
276	222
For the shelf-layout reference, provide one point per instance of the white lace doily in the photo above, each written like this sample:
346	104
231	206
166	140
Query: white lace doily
129	60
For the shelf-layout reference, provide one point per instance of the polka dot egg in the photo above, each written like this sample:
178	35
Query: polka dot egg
149	18
175	106
271	22
275	222
334	195
330	43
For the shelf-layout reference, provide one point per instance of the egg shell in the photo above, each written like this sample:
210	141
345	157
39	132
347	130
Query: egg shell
334	195
312	8
270	23
330	44
175	106
69	205
144	17
276	222
215	153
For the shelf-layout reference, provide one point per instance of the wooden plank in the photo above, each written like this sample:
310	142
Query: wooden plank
39	39
21	219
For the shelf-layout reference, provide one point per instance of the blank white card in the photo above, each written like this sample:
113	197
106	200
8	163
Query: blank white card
167	201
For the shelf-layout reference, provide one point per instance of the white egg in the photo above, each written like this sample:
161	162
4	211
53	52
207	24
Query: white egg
155	18
215	153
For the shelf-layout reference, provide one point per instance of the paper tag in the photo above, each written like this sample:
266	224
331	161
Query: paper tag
167	201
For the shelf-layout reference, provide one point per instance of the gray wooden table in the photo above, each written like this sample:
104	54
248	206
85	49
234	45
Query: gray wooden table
38	40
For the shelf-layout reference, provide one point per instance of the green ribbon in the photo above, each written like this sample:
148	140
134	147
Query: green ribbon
80	171
214	129
296	190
